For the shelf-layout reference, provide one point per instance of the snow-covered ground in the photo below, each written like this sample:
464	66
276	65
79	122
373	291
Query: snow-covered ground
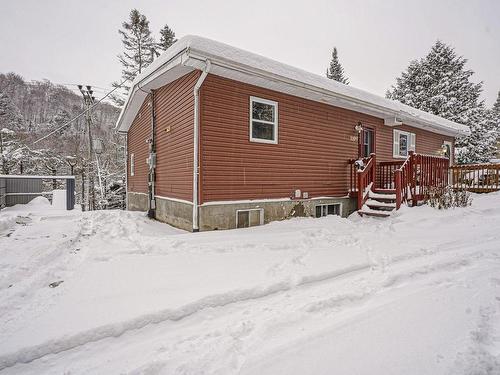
112	292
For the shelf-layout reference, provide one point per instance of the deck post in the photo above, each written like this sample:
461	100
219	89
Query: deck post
397	186
413	178
374	176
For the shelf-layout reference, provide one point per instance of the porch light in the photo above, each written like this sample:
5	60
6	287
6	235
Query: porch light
359	127
443	150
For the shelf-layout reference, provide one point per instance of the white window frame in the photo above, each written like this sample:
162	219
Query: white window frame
412	142
274	123
132	164
261	217
328	204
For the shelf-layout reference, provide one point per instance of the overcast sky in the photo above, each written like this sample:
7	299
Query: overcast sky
77	41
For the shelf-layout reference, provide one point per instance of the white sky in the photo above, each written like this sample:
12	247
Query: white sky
77	41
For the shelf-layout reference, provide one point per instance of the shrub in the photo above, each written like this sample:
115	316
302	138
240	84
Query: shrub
447	197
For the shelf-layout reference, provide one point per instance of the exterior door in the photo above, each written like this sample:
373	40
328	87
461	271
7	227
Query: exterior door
367	142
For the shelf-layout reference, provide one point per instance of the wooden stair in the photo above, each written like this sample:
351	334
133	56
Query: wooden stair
380	203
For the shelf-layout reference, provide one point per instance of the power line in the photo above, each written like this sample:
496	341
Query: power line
81	114
73	119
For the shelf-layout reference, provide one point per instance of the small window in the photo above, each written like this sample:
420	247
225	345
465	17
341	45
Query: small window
328	209
249	218
404	142
132	165
263	120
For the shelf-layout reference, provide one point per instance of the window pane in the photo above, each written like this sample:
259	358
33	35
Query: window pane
403	145
261	111
332	209
243	219
254	218
262	131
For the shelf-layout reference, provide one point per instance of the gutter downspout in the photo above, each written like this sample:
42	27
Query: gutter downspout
152	160
196	140
126	170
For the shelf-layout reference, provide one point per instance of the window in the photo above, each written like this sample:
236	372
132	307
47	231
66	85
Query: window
328	209
132	166
368	144
263	120
404	142
249	218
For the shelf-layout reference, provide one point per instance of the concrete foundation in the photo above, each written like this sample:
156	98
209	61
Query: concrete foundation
223	216
176	213
137	201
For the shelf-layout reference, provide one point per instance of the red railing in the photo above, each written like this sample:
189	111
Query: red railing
477	178
417	175
385	173
365	180
353	169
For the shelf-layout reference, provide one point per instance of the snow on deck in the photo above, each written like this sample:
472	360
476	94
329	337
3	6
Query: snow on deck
416	293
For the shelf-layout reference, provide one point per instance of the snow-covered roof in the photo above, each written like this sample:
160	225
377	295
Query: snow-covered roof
191	52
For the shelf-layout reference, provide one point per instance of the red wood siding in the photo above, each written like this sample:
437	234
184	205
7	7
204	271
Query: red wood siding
137	135
312	151
314	144
174	105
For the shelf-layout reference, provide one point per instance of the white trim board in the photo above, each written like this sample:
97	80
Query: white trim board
270	200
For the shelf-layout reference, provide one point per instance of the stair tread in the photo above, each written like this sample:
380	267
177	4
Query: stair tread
376	203
374	213
381	195
365	210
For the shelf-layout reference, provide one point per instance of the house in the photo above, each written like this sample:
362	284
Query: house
219	138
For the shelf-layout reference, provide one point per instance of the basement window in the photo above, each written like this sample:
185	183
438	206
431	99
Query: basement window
328	209
132	165
263	120
403	143
249	218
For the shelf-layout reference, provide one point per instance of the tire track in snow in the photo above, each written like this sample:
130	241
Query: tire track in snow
29	354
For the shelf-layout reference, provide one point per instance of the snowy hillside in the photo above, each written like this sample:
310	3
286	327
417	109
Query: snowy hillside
113	292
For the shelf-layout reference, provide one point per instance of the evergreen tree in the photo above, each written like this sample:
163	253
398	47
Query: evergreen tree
496	115
335	70
496	106
440	84
139	48
481	145
167	38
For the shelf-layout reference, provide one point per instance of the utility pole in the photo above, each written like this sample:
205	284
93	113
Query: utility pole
88	101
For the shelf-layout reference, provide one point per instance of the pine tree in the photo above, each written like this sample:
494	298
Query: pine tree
496	106
496	115
167	38
440	84
336	71
139	48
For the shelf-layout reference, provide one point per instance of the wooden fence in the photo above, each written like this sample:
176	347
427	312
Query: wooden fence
476	178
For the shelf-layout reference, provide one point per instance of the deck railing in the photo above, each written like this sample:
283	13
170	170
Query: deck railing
418	175
353	175
365	180
385	173
477	178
